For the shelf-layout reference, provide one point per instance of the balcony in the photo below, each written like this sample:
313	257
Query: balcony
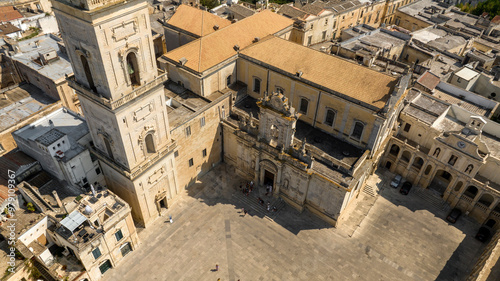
114	104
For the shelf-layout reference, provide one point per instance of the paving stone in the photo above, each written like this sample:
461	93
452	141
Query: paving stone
398	238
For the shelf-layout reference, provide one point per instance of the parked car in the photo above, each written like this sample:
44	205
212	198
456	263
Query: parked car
454	215
483	234
405	189
396	181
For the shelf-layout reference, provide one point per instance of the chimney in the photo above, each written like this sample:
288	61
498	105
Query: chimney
59	203
299	73
236	47
183	61
216	27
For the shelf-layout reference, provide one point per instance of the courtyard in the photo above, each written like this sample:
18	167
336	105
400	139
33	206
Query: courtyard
400	238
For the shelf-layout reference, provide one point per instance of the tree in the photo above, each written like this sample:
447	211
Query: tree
210	4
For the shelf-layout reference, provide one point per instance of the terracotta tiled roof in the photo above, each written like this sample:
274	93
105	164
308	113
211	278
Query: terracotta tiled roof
13	161
8	13
214	48
496	19
312	9
190	19
339	75
429	80
8	28
292	12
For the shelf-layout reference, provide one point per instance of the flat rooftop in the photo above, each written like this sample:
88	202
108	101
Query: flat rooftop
379	38
181	104
21	102
65	122
426	108
463	103
29	55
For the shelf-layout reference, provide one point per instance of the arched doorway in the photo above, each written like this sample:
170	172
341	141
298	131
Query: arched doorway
388	164
88	73
133	69
490	223
441	181
406	156
268	172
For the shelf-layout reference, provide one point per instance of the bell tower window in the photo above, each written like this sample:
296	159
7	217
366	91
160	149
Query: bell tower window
88	74
150	145
108	148
133	69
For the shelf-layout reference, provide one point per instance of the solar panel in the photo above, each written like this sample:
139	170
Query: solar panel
73	220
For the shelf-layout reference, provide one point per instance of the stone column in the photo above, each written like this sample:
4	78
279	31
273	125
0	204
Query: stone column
277	187
450	186
257	168
478	195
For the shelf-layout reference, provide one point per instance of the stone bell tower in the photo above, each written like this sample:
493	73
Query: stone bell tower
110	47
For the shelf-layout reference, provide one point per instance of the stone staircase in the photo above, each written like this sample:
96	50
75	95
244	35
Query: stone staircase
433	199
252	205
43	271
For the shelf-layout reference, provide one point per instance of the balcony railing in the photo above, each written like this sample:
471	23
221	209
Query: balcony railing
152	160
113	104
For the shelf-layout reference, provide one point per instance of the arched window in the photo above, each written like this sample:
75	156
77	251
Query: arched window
486	199
133	69
357	131
469	168
471	191
330	117
228	80
88	74
406	156
150	145
304	104
108	148
436	152
418	163
394	150
280	90
428	169
256	85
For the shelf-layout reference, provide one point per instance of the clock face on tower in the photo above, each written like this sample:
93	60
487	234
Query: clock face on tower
461	144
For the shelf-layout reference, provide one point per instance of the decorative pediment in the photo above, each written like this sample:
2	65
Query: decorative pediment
279	102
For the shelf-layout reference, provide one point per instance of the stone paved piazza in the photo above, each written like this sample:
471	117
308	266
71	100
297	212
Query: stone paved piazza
401	238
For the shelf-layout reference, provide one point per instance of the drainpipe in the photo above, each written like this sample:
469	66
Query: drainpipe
316	113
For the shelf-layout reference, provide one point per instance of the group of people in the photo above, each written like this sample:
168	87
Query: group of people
248	188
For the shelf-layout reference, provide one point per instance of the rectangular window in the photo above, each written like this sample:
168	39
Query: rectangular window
256	85
309	40
188	131
358	130
204	152
323	36
453	160
119	235
407	127
191	162
303	106
96	252
176	153
202	122
330	116
98	171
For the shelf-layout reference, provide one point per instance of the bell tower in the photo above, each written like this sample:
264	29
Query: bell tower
123	98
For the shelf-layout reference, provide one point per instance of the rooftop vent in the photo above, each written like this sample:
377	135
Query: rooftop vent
299	73
236	47
183	61
256	39
216	27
